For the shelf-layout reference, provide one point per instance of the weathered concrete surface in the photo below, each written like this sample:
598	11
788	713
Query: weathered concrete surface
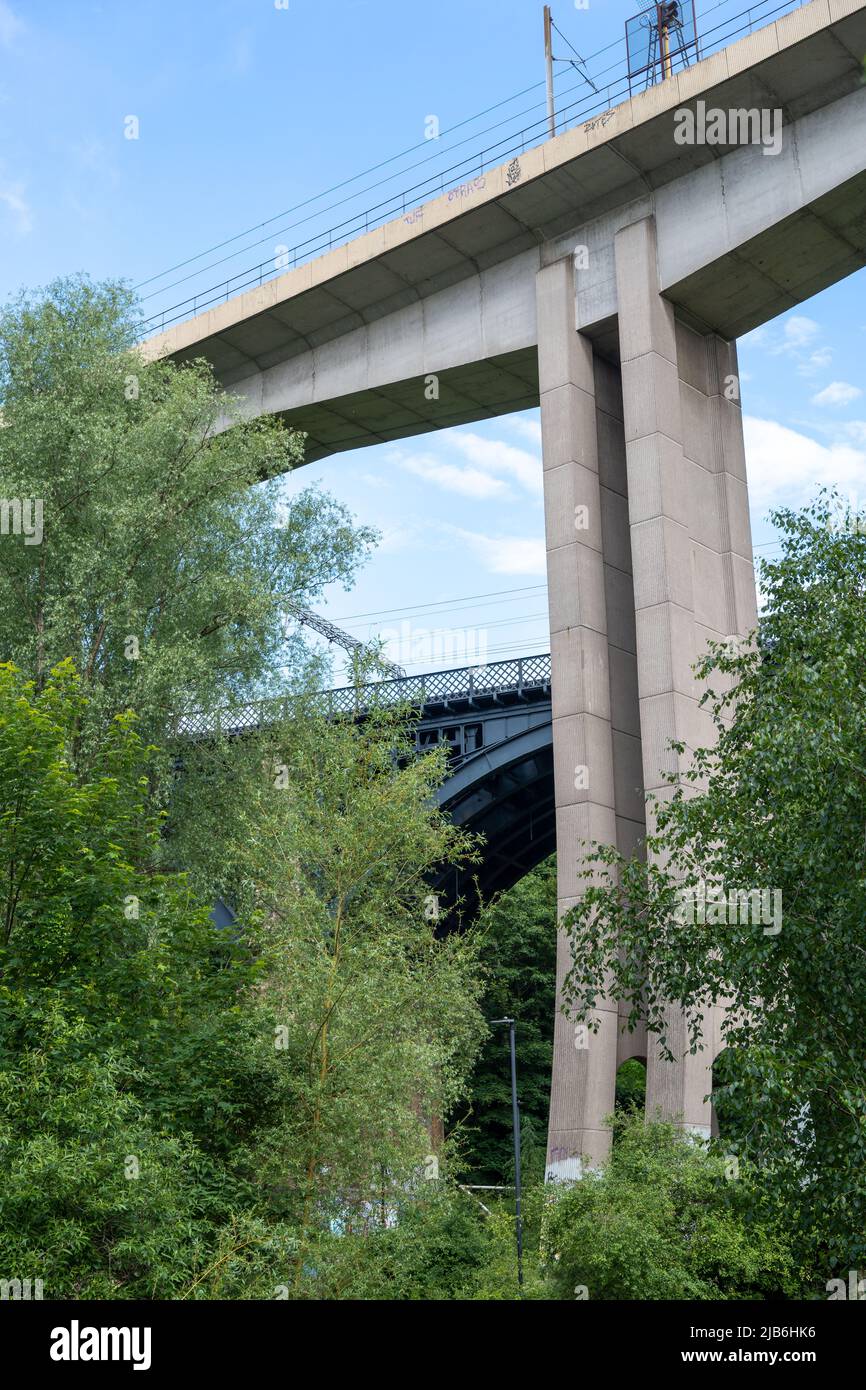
341	347
649	556
692	562
583	506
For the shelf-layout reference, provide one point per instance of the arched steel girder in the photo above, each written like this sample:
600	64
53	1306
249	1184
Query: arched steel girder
504	793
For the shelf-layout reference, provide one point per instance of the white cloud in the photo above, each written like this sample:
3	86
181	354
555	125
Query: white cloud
12	198
490	469
786	467
837	393
822	358
797	332
398	539
793	337
530	429
469	482
507	554
495	456
790	335
10	25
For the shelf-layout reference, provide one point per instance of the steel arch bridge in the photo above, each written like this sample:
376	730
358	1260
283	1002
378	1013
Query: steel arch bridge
496	721
497	725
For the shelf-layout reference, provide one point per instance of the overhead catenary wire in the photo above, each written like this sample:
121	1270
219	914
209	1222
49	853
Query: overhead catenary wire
374	168
502	650
749	13
464	598
525	646
497	596
213	265
335	188
334	634
512	620
380	183
582	61
443	608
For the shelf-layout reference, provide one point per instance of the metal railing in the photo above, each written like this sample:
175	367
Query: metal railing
466	173
500	678
523	677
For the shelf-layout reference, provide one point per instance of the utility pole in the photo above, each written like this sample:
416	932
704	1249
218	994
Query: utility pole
668	14
548	60
515	1125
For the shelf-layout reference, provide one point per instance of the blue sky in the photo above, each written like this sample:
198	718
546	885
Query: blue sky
246	110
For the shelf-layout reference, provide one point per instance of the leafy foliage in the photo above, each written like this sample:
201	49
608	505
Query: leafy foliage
168	553
660	1220
267	1084
375	1016
434	1249
631	1085
269	1079
121	1028
518	954
778	804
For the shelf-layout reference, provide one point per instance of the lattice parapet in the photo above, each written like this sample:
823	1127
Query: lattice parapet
521	678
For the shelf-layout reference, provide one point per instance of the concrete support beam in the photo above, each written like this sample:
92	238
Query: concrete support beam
692	561
649	556
596	728
582	1088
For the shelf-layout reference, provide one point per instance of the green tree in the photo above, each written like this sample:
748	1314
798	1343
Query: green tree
133	1070
95	1201
436	1248
518	954
292	1066
661	1220
167	553
631	1085
375	1018
272	1085
779	804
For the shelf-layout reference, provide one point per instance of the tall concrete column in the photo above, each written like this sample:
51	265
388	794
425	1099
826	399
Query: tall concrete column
584	1066
648	556
692	562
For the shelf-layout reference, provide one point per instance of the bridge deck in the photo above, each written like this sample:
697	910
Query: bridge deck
496	724
338	346
428	696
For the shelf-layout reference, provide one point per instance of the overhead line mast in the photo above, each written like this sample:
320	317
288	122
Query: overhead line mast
578	63
336	634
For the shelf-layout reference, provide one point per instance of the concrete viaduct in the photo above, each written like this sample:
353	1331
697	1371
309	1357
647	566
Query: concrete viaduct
604	275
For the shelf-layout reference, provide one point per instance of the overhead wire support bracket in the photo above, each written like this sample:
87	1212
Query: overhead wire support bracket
335	634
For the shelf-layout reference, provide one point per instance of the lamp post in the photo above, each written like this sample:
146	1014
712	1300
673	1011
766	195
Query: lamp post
515	1125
